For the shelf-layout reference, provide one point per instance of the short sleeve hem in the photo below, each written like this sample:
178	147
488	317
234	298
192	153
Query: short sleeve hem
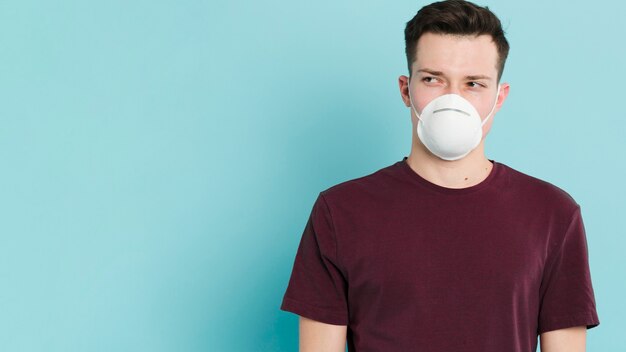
306	310
589	319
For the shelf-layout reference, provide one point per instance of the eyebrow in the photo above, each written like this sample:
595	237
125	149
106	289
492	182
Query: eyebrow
432	72
439	73
477	77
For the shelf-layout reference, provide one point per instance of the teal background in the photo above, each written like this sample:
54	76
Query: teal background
160	158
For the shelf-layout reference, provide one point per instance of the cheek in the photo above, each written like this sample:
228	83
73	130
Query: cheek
479	104
422	98
483	105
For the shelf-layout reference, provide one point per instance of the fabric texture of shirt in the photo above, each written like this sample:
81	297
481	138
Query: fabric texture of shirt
409	265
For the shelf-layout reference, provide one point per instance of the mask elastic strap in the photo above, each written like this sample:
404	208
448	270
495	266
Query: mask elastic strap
492	108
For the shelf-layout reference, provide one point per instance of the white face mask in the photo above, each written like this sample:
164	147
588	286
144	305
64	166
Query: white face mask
450	126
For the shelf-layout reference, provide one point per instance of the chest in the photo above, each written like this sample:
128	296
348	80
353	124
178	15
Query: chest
444	254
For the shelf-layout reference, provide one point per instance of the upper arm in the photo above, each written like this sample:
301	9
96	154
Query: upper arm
564	340
321	337
566	292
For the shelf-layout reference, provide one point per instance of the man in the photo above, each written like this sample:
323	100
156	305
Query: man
445	250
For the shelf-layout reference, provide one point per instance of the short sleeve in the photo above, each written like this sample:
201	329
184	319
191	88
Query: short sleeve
567	297
317	287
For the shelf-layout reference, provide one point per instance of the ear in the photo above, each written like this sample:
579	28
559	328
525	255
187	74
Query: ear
504	92
403	84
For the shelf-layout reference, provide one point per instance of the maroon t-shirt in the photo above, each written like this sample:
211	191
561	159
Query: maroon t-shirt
410	265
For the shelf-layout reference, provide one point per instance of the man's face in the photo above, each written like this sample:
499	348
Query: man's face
464	65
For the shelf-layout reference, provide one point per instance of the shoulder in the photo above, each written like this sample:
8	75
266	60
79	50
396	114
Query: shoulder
537	192
371	185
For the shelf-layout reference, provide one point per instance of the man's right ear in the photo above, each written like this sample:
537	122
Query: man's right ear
403	84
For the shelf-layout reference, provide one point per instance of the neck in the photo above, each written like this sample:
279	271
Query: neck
466	172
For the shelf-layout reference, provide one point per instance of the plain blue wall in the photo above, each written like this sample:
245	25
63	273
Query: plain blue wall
160	158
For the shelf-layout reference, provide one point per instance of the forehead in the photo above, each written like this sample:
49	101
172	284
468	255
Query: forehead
457	55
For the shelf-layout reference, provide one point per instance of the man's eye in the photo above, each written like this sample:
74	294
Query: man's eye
429	79
475	85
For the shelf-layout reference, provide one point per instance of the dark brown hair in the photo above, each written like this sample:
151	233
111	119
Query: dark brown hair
455	17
